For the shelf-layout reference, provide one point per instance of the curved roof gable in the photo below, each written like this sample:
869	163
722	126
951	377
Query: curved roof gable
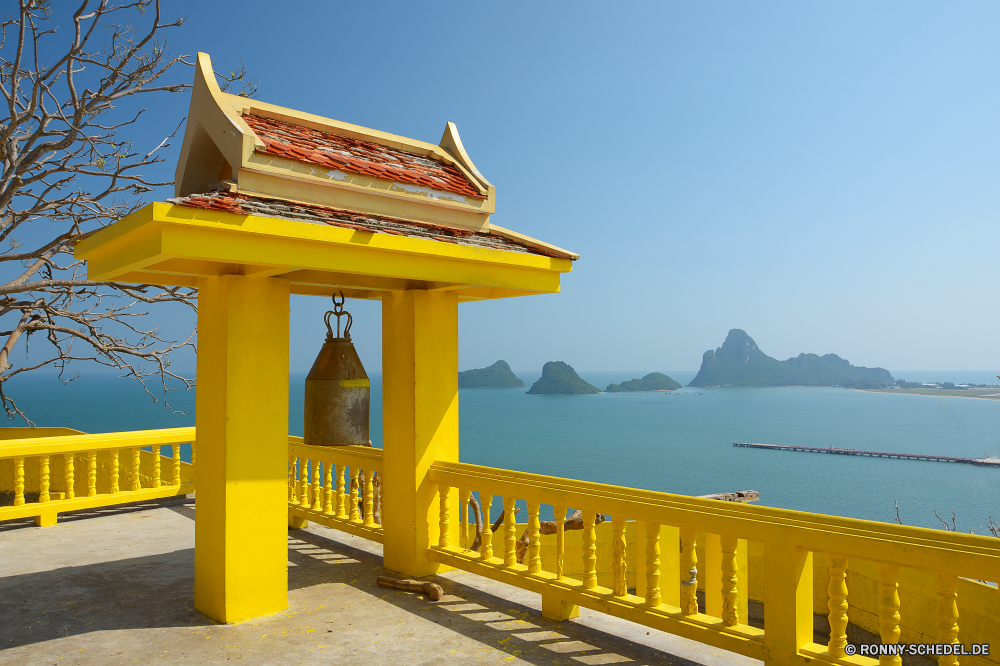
236	145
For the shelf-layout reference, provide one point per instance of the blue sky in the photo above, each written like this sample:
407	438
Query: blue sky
821	175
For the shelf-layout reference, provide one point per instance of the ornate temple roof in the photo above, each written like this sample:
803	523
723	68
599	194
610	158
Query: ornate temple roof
244	154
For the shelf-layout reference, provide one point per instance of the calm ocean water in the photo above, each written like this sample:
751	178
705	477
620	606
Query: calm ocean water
676	442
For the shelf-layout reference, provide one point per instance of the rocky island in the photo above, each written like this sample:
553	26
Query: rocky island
561	379
739	362
498	375
654	381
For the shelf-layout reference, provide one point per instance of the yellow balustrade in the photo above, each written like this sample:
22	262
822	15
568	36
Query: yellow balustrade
789	540
321	469
47	466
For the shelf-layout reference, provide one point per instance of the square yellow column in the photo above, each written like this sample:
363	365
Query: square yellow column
419	422
241	516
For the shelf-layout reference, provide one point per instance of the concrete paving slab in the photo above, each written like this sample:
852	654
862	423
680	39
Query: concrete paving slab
115	586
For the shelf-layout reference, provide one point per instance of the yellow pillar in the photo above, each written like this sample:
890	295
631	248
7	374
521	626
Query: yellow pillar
788	600
241	539
419	422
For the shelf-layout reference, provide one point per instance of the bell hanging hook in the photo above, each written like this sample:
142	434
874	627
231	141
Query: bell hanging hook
338	312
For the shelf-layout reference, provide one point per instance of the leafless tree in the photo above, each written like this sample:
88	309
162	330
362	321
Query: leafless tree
68	169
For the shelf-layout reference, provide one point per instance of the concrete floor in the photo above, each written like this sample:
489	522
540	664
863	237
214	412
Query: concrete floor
115	586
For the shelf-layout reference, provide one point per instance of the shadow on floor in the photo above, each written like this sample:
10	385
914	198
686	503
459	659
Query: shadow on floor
115	510
157	592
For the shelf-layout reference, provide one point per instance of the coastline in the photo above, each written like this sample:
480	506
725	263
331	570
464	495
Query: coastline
980	394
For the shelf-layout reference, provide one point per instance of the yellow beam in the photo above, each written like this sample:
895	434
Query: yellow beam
178	240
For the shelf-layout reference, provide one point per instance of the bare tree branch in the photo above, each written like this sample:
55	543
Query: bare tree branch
67	168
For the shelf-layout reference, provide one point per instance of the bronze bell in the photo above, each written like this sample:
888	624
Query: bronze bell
338	393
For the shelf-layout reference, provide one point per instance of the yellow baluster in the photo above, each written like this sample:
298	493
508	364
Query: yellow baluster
136	461
486	547
689	573
369	498
317	503
947	612
19	481
444	518
730	581
304	482
510	532
589	550
292	494
837	605
619	586
193	450
354	496
43	481
91	473
177	465
114	471
341	497
559	512
70	477
328	488
653	595
156	465
534	538
463	516
889	612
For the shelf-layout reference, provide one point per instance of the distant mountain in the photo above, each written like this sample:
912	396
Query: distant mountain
560	379
654	381
739	362
498	375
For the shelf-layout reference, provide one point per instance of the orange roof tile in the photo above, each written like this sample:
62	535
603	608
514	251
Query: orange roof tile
356	156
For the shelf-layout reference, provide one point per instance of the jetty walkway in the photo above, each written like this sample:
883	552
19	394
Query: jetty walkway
983	462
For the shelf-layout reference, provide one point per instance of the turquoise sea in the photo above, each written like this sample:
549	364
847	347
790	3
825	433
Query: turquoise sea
677	442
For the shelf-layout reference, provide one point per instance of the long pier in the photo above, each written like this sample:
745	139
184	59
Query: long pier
982	462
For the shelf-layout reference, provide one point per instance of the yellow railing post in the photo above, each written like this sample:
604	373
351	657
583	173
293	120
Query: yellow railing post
889	611
92	474
838	606
486	547
947	614
43	481
788	599
651	572
136	466
444	517
730	581
689	572
70	477
114	472
419	421
619	586
534	559
509	532
589	550
19	481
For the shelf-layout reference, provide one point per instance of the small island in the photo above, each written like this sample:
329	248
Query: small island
740	362
654	381
499	375
559	378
